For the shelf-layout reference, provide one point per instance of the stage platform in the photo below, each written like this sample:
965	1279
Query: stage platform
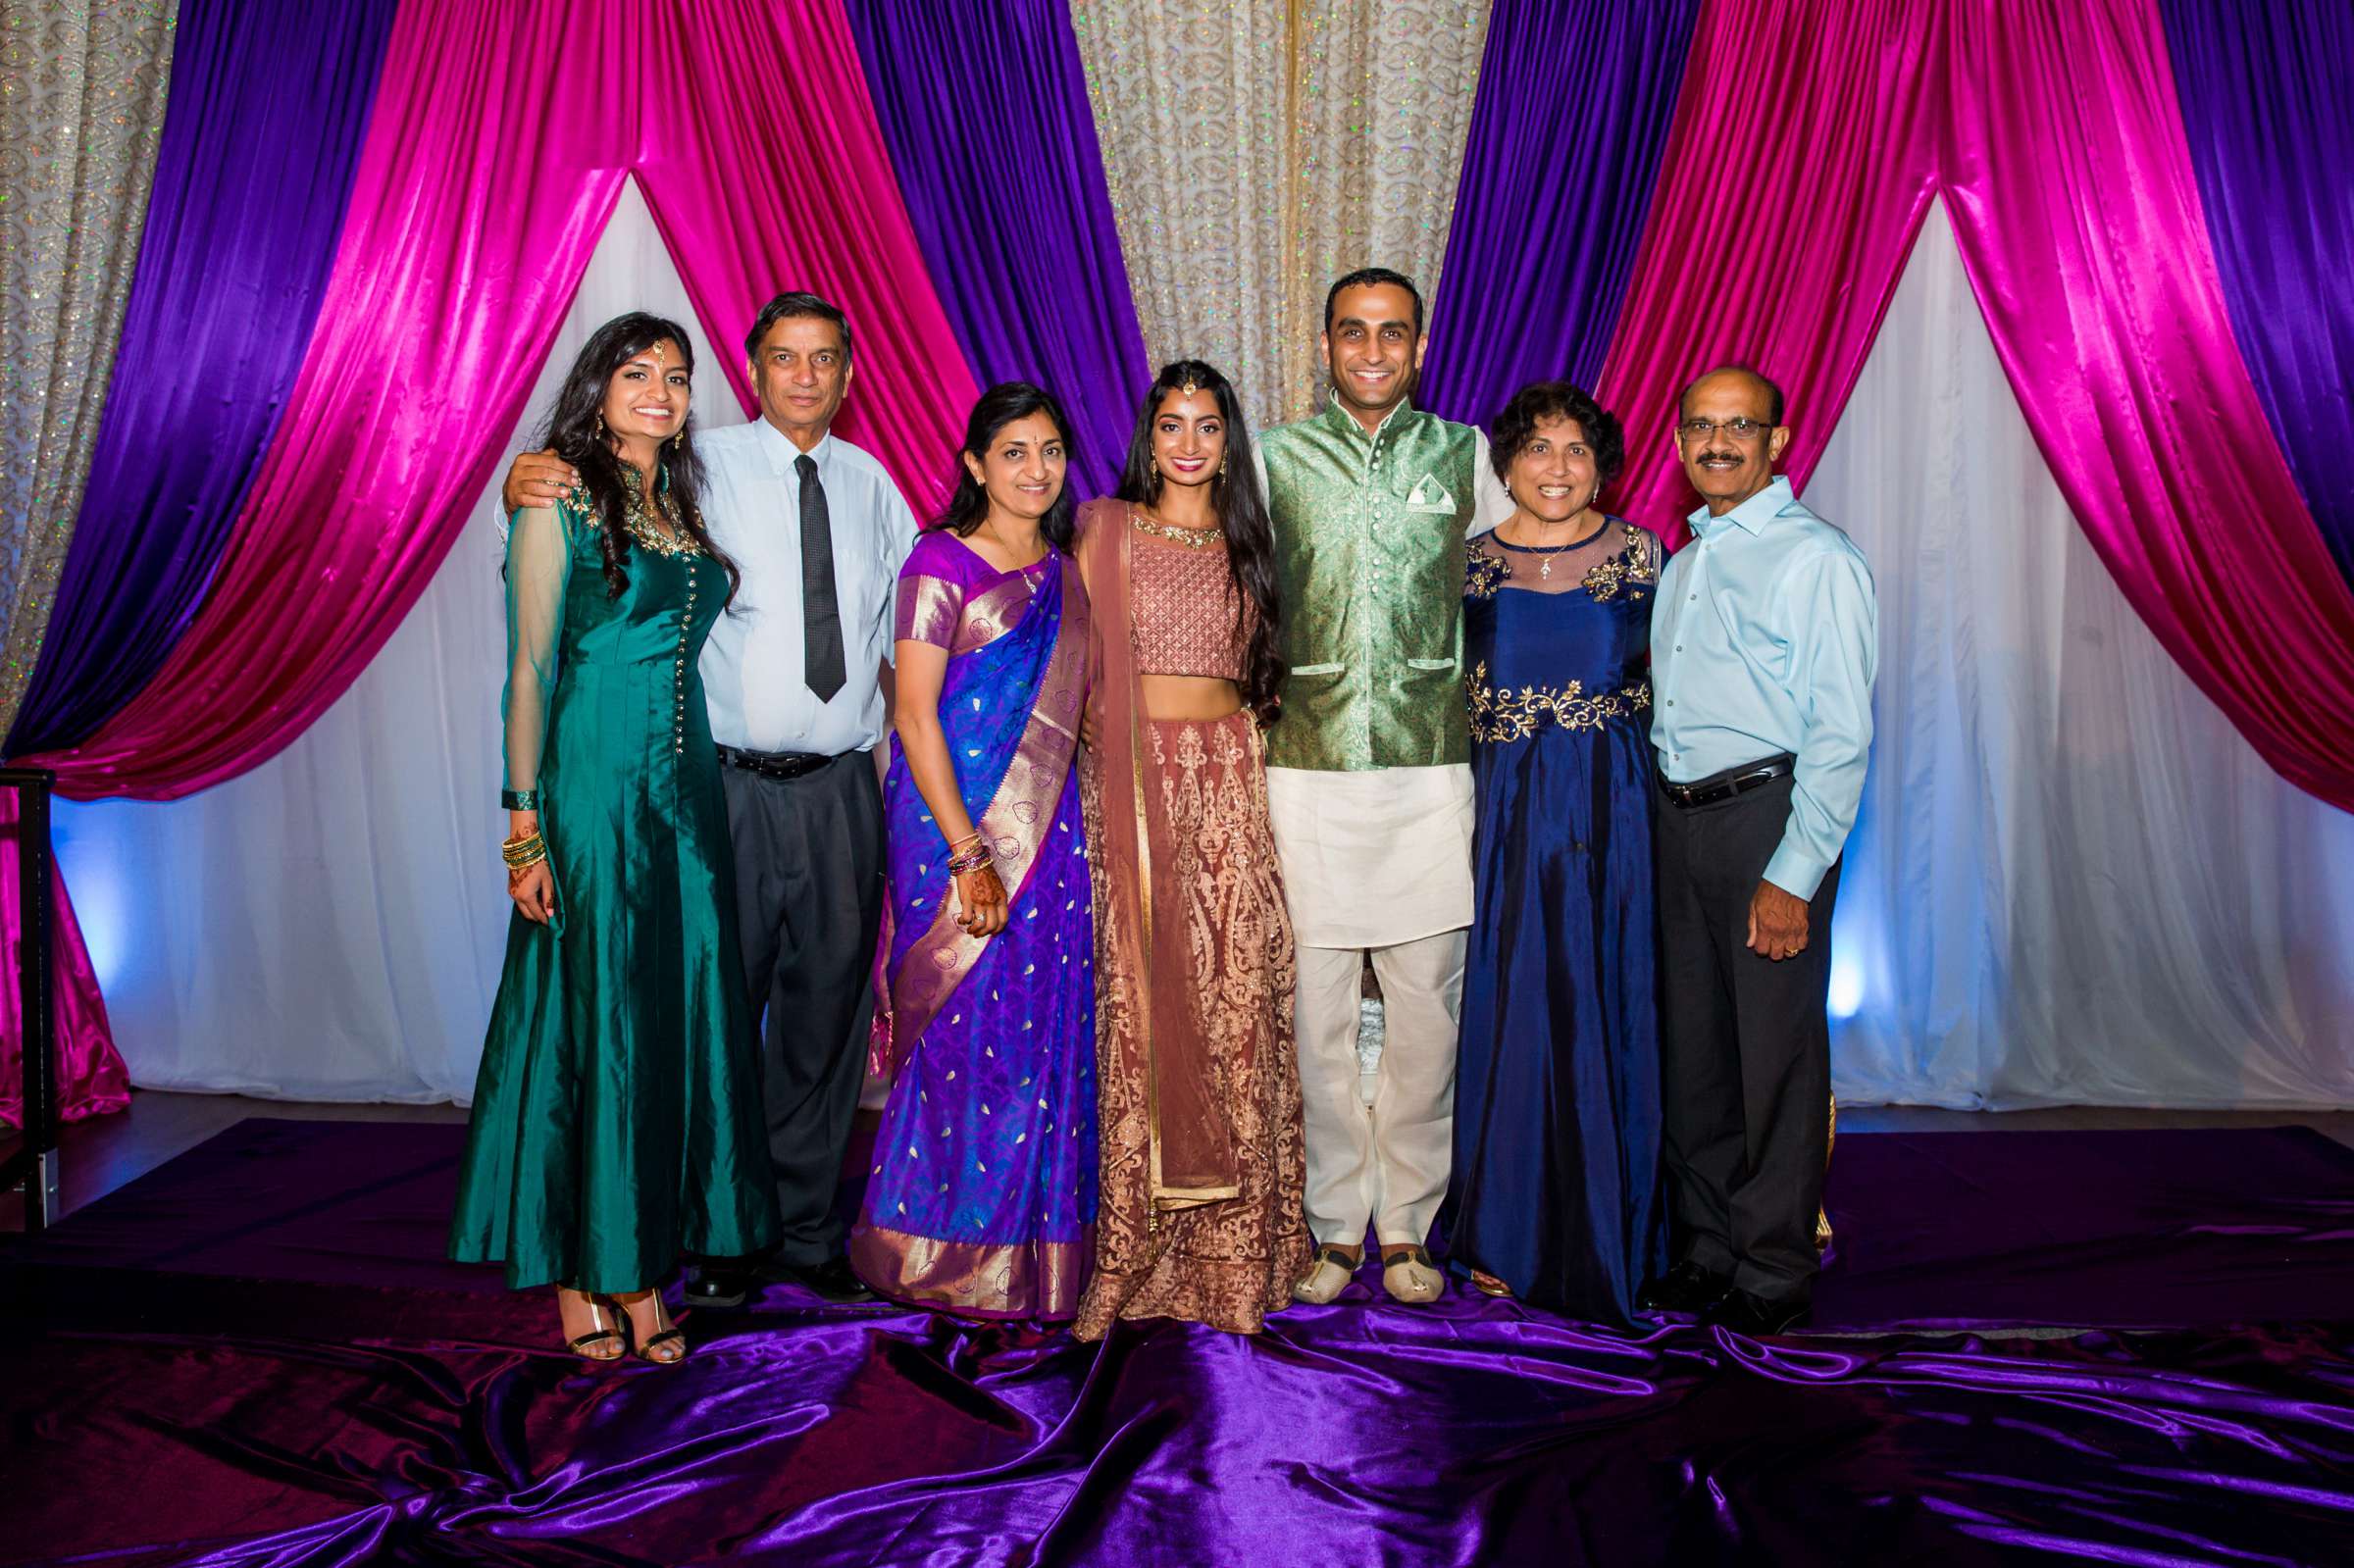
2128	1346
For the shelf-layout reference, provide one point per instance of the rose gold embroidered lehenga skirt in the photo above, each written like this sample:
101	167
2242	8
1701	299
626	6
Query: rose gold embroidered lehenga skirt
1228	1261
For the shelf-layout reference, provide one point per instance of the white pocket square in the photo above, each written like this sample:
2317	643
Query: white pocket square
1429	495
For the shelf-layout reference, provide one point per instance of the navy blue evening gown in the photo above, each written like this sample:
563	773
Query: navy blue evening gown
1556	1186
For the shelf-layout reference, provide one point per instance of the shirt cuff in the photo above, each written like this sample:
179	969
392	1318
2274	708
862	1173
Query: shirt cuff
1795	872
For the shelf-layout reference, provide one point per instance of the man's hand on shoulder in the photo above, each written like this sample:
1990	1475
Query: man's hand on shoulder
536	479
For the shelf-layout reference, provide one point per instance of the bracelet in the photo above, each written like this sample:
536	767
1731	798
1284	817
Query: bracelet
972	859
519	800
525	849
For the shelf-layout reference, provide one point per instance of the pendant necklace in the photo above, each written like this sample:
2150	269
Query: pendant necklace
1549	551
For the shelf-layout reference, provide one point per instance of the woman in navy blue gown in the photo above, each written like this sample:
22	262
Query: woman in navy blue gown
1556	1117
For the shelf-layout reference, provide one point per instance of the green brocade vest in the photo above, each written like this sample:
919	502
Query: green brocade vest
1369	535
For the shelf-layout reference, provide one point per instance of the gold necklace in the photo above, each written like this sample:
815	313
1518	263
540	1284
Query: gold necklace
650	535
1190	538
999	540
638	519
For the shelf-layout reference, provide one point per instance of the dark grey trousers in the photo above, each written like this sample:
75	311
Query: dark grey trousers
808	901
1745	1048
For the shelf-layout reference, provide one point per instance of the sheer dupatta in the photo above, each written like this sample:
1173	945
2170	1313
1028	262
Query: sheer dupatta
1010	707
1147	1018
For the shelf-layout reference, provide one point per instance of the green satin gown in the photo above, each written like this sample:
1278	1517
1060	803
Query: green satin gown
617	1118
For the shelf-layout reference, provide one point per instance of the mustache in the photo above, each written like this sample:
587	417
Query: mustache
1718	452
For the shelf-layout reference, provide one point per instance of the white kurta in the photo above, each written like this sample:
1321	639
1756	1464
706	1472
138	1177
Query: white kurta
1373	858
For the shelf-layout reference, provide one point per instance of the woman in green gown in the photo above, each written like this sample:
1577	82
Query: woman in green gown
617	1118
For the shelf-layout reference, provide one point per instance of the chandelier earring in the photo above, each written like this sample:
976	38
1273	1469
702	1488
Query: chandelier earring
600	425
1222	459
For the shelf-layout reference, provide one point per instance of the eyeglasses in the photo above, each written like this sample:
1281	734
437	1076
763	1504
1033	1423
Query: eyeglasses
1740	429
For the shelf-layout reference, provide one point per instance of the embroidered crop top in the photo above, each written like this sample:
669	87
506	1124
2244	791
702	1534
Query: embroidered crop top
1183	620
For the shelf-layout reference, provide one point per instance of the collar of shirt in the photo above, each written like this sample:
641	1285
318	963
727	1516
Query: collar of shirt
782	452
1753	513
1334	410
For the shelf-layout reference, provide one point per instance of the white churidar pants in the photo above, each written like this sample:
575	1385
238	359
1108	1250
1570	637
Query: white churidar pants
1377	863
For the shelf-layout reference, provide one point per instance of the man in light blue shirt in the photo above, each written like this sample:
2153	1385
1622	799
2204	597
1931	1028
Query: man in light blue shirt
1764	641
793	675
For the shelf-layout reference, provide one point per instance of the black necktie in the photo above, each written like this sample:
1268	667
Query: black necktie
821	613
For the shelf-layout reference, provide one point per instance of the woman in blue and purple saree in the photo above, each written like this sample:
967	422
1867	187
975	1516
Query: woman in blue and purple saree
981	1200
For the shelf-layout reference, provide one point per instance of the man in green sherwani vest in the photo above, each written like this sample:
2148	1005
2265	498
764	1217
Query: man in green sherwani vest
1368	773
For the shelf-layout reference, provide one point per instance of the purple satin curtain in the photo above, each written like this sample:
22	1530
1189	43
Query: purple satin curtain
270	104
984	105
1573	107
495	156
2266	94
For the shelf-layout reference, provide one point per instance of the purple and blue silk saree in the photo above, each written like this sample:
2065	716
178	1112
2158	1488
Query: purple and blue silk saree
982	1200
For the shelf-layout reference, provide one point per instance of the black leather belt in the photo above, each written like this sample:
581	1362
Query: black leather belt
1731	783
775	763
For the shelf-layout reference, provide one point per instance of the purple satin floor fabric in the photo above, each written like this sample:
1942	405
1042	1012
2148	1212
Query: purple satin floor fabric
1573	107
2109	1230
270	104
153	1411
2268	104
984	104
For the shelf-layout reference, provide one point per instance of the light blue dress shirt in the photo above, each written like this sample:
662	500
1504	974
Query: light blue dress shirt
754	676
1764	640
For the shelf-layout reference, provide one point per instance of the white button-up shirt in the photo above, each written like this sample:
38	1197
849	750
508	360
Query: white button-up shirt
753	677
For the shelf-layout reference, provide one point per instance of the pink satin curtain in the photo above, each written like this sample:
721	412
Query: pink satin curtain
763	183
1811	134
90	1077
2076	209
500	138
498	144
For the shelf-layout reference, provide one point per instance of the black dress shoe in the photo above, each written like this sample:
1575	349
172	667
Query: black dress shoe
1758	1316
831	1280
714	1286
1686	1287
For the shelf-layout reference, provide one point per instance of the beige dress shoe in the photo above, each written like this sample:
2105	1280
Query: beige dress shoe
1412	1279
1333	1271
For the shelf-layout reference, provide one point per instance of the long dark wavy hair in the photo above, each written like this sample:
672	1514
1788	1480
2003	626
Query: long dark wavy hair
573	430
995	409
1241	517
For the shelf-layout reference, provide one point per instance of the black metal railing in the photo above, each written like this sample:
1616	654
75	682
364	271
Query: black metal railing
33	1164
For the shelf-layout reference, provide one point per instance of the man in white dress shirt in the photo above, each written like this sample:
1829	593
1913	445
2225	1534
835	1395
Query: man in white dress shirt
795	674
1765	637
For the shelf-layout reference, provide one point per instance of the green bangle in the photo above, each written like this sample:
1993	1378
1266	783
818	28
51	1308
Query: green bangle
519	799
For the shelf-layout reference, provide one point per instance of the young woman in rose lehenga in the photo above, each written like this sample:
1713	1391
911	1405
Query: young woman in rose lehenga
1199	1085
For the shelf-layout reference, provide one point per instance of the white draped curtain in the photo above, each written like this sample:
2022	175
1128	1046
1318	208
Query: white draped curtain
2072	880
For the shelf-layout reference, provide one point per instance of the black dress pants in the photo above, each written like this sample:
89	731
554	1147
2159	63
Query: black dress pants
808	901
1745	1049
